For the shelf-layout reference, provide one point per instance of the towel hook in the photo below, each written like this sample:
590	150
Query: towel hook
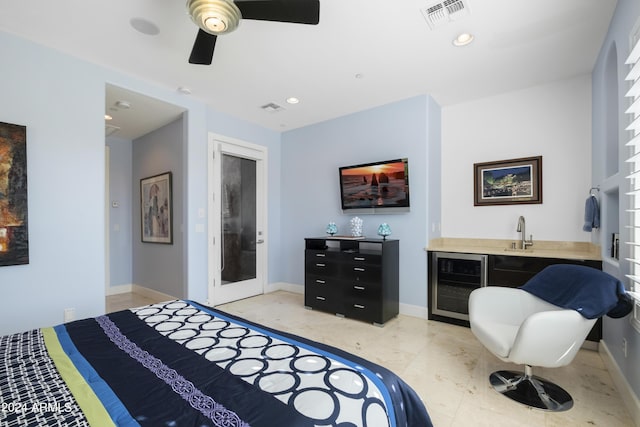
594	188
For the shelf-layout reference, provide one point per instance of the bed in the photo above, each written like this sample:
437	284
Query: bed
179	363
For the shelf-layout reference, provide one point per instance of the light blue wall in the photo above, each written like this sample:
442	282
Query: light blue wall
311	157
160	266
613	185
61	101
120	218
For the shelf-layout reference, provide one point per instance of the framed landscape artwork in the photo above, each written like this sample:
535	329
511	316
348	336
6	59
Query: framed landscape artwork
156	209
14	236
508	182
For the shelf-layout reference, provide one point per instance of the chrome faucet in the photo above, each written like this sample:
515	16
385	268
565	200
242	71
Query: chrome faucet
521	229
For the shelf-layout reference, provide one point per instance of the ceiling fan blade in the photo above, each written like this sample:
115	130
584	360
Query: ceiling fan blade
202	52
296	11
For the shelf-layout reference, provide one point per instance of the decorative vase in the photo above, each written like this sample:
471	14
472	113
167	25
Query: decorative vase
384	230
332	228
356	227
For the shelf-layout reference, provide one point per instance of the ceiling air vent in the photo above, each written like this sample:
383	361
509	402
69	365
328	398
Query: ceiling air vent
449	10
272	107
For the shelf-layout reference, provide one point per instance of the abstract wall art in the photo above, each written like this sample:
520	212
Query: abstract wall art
14	236
156	214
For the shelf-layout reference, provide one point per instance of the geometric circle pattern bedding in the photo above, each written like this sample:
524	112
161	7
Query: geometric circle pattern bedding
318	385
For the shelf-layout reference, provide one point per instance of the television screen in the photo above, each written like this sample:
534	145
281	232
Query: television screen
375	185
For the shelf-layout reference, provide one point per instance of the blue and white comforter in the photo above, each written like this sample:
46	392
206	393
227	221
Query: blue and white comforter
183	364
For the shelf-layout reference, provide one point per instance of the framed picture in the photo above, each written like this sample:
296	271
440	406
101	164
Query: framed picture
156	209
14	235
508	182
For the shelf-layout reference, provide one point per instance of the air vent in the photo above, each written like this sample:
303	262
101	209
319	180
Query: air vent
110	129
272	107
439	14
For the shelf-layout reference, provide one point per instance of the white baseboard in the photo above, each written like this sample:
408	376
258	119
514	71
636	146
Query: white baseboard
151	293
626	392
119	289
414	311
284	286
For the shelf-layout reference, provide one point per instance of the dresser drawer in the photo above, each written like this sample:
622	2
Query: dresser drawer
322	282
362	273
322	267
323	297
314	255
364	258
363	310
362	290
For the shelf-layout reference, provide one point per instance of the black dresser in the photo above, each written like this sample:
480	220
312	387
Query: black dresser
358	279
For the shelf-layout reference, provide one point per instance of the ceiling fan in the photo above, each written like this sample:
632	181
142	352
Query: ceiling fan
216	17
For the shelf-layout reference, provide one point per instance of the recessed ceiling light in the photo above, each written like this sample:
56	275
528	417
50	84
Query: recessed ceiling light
359	76
145	27
125	105
292	100
463	39
184	90
108	117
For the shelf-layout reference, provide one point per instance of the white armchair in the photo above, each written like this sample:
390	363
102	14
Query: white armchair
519	327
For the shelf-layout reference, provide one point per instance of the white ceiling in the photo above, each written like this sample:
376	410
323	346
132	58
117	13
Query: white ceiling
518	44
142	115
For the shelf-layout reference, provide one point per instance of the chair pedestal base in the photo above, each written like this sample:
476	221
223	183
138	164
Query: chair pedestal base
531	390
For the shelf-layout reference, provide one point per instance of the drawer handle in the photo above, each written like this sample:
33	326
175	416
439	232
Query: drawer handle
358	306
358	269
320	265
320	255
360	288
358	258
321	298
322	282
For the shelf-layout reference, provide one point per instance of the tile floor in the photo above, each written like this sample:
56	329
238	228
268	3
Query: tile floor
444	363
127	300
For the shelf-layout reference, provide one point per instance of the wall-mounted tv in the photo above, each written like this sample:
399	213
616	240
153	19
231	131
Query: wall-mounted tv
377	185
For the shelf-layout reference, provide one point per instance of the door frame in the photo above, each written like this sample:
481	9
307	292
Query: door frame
216	146
107	220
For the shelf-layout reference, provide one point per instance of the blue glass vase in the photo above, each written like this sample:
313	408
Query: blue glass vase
332	228
384	230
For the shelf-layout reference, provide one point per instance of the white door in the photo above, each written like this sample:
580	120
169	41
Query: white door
237	219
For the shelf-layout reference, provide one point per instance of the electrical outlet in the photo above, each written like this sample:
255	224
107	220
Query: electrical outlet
69	314
624	347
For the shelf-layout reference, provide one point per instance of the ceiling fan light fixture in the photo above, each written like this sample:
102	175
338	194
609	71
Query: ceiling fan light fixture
214	16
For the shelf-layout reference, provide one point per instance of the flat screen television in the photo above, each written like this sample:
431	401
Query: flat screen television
378	185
